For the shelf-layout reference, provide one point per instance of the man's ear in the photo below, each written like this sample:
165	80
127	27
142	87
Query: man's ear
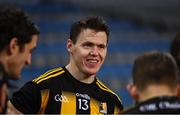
69	45
133	91
13	45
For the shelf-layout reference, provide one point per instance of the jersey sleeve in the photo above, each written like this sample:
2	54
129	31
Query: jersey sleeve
118	104
26	99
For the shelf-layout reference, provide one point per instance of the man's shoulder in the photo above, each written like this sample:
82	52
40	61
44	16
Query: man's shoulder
49	75
104	88
165	104
108	92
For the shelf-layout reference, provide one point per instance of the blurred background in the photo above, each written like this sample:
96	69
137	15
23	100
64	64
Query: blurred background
136	26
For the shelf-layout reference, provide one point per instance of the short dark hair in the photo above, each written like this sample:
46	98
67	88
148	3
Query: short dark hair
155	68
15	23
175	48
95	23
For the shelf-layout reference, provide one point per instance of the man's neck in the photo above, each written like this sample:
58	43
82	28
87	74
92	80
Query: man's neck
3	59
80	76
155	91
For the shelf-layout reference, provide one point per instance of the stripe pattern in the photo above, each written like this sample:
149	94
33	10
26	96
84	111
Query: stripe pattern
94	106
49	74
105	88
70	106
44	100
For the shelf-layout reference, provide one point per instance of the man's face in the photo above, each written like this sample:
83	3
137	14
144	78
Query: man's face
20	58
89	51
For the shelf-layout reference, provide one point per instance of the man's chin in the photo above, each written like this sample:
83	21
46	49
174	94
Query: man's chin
92	72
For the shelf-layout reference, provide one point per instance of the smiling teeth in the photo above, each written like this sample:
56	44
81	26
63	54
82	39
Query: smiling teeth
93	61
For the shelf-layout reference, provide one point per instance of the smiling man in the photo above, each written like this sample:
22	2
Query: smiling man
74	88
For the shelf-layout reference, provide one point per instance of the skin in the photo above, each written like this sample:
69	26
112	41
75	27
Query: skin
151	91
15	60
3	94
87	54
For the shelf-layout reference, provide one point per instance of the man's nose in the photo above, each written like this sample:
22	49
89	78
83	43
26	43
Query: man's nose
94	51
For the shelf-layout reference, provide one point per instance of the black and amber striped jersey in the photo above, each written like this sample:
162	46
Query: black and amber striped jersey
58	92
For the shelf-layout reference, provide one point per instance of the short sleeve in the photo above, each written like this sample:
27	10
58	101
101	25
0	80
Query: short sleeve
118	103
27	99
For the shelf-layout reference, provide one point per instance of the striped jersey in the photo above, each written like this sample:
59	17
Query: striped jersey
58	92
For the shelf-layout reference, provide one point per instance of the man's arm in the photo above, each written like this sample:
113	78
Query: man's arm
11	109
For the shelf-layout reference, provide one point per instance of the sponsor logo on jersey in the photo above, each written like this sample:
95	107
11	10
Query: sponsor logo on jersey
148	107
160	105
61	98
169	105
103	108
85	96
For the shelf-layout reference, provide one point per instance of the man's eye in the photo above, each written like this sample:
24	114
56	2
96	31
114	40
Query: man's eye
88	45
102	46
